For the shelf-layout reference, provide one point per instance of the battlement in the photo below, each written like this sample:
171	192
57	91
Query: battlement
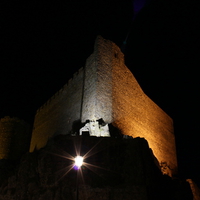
61	91
8	118
59	113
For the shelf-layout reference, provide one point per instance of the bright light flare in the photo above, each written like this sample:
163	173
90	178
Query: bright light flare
78	161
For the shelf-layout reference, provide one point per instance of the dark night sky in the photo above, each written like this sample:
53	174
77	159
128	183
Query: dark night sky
43	44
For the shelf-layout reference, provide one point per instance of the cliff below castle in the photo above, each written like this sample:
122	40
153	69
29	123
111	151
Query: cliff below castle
114	168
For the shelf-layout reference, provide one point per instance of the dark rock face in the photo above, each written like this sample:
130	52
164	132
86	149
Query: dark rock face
114	168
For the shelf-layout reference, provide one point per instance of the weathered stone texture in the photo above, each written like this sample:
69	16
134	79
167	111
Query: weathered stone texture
90	91
97	101
15	137
59	113
138	116
195	189
115	95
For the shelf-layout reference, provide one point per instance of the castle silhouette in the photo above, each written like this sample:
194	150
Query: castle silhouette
104	89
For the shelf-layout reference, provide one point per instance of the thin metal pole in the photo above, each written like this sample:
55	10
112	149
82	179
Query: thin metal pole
77	185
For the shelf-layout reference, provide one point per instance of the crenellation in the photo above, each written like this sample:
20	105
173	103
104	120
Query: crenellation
80	70
74	75
59	114
60	92
69	81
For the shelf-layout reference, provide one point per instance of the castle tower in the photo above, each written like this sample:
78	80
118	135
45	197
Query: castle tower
97	93
105	88
112	93
14	138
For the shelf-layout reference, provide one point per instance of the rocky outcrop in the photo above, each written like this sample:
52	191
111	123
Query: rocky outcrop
114	168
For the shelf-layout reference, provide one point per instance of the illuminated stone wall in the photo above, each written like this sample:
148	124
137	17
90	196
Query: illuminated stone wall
97	96
112	93
137	115
59	113
14	138
105	88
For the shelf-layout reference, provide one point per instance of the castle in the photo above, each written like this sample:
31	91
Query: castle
105	89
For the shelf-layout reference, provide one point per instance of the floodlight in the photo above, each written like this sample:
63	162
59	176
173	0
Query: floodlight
78	161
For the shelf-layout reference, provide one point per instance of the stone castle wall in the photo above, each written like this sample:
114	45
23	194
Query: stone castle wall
60	112
107	89
115	96
14	138
135	114
97	97
138	116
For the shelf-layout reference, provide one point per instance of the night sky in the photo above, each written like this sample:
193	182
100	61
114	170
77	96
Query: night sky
43	44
